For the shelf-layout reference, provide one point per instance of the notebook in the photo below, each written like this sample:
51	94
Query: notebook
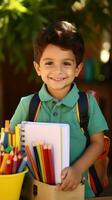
57	134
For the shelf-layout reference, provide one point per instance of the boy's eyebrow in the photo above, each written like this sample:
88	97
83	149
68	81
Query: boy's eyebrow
47	59
69	59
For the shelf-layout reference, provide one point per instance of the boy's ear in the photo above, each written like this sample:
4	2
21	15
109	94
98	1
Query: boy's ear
79	69
36	66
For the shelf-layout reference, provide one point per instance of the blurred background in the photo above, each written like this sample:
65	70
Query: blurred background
20	20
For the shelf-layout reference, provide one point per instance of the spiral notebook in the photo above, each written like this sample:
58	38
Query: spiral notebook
56	134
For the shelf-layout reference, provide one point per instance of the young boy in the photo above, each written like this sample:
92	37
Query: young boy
58	59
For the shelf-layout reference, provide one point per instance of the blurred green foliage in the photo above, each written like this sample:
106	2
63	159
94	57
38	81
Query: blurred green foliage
20	20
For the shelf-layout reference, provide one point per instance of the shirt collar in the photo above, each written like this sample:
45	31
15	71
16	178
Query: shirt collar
44	95
69	100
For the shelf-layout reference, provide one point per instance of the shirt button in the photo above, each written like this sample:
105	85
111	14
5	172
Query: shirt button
55	113
54	101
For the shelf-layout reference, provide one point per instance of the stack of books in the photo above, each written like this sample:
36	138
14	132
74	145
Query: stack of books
48	146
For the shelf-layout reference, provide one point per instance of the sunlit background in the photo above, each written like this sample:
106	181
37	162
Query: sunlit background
20	21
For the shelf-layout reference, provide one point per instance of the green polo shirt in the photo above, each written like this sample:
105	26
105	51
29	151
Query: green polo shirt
64	111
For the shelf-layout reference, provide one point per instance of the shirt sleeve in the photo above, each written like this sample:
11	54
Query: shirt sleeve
97	122
21	112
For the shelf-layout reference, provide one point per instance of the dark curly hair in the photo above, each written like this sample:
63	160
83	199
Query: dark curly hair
62	34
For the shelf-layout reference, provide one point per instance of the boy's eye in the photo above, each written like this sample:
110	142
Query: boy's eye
67	63
49	63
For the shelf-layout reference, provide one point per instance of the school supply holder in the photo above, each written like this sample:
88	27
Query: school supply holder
10	185
12	163
36	190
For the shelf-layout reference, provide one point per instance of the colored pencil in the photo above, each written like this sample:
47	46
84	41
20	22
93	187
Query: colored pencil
14	164
22	165
2	135
17	136
13	140
51	164
11	155
28	152
19	156
0	158
41	162
2	167
8	167
7	125
47	166
8	149
37	160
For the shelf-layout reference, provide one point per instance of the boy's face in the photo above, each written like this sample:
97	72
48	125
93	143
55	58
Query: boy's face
58	70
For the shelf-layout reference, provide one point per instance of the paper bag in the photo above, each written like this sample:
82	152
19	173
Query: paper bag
36	190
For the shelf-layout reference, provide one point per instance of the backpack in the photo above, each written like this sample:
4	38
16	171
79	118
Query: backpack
98	178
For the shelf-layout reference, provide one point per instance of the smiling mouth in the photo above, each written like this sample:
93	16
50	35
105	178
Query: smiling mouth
57	79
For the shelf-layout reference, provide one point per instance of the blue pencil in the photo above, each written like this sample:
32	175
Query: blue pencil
22	165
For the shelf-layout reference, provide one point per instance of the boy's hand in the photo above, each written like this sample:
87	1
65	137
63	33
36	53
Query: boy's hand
70	178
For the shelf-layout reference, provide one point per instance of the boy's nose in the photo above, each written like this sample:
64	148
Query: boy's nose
59	68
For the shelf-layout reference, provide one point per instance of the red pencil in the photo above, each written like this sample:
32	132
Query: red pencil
46	162
11	155
19	156
8	167
14	165
51	164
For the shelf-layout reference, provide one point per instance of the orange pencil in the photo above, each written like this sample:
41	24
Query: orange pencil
32	162
7	125
2	167
0	158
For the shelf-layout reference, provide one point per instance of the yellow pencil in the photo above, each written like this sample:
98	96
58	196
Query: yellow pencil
2	167
13	139
39	150
43	162
9	139
17	136
2	135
